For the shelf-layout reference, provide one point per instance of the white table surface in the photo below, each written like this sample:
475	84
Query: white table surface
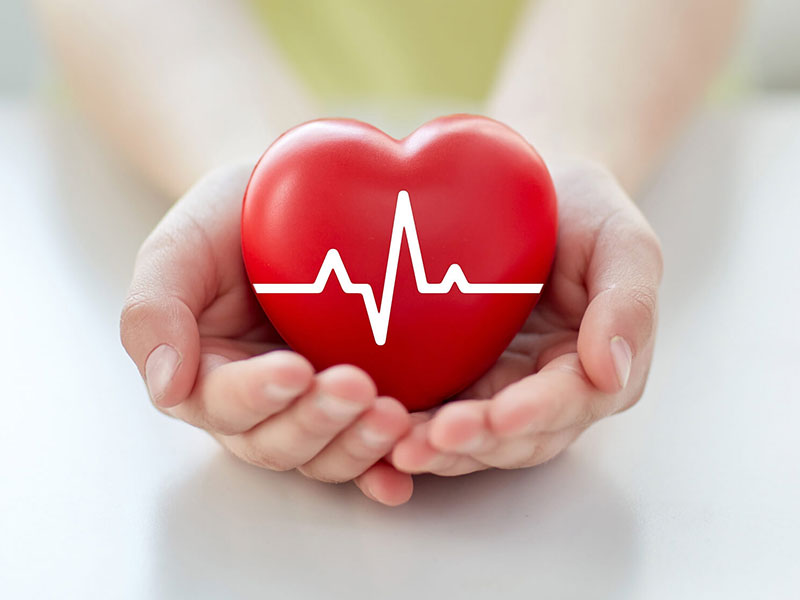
694	493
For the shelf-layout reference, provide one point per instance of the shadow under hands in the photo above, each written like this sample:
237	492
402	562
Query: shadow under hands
231	530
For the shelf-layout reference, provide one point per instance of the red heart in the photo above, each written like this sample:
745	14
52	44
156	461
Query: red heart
478	195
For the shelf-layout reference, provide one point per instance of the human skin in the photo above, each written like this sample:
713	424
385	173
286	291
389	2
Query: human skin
210	356
611	81
583	354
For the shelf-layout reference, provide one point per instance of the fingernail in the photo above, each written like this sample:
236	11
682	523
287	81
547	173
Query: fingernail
372	438
622	356
338	408
159	370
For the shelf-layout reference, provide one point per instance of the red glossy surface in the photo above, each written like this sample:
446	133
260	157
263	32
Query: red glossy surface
481	198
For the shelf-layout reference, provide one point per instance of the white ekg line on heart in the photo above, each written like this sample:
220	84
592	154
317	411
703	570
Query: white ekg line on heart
379	319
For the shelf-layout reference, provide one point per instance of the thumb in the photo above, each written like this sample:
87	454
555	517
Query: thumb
173	276
616	335
160	334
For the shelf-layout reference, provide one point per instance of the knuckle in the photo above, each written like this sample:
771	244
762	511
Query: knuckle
129	310
588	413
358	376
509	455
315	424
266	458
357	452
218	424
642	239
134	313
140	309
544	453
647	240
314	472
643	301
533	457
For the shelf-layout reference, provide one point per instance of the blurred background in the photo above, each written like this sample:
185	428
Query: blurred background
767	57
348	82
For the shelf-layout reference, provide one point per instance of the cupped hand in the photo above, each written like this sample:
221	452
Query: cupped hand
583	354
210	357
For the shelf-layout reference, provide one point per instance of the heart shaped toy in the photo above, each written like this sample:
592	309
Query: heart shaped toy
417	260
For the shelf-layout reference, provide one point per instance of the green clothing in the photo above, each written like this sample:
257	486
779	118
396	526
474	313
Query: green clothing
385	49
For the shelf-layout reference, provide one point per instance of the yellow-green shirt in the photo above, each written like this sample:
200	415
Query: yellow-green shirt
385	49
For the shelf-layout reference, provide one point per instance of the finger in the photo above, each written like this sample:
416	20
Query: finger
513	452
160	333
500	452
528	451
463	427
460	426
175	278
237	396
214	354
294	436
385	484
360	445
558	397
415	454
190	410
622	282
460	465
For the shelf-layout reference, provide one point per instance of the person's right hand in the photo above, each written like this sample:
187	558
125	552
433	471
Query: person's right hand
210	357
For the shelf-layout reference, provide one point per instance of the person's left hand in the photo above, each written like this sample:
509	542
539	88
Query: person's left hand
583	354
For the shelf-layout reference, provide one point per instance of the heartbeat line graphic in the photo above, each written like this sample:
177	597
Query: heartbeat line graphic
379	318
